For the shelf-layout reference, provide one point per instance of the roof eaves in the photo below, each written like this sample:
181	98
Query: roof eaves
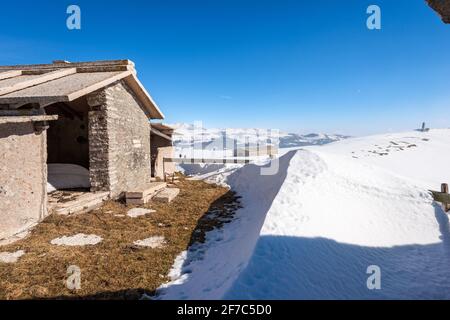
134	83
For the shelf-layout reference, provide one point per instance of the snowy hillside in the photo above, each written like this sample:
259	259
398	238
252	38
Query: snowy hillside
311	230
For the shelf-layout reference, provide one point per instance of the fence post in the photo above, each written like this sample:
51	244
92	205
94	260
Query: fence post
444	189
164	169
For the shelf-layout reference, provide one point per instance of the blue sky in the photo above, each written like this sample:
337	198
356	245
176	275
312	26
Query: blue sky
299	66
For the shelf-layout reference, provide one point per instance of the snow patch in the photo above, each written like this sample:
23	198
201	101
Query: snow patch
11	257
67	176
152	242
177	273
137	212
77	240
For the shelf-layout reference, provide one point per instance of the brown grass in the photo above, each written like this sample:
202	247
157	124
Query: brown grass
115	268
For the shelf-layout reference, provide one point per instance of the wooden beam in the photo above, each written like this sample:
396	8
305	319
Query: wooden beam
10	74
21	119
22	112
61	65
38	72
159	133
87	69
111	68
36	81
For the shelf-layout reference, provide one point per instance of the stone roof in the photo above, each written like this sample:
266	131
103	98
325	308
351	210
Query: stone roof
442	7
62	81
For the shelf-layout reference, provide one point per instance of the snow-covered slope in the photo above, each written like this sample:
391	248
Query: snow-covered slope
312	230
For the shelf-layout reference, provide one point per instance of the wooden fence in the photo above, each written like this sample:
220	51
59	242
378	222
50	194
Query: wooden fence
210	161
167	177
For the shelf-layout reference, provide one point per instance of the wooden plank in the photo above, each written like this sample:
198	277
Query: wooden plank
22	119
441	197
79	70
36	81
20	112
10	74
159	133
87	69
109	68
59	64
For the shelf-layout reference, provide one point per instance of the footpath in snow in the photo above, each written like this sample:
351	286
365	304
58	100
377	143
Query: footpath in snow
312	230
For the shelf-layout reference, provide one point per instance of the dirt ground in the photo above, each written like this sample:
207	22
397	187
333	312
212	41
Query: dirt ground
114	268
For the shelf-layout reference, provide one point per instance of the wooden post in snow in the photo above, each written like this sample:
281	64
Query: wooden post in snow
444	189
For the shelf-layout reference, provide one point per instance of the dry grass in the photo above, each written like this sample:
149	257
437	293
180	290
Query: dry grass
115	268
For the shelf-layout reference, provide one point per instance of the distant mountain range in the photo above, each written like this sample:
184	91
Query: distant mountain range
292	140
187	135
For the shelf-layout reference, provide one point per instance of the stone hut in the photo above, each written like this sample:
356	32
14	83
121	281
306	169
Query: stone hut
90	117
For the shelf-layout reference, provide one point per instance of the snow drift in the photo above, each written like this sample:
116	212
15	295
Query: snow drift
67	176
312	230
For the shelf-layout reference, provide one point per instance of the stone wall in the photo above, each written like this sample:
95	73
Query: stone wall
23	177
98	145
119	143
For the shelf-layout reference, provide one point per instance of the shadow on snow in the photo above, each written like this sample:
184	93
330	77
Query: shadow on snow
318	268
